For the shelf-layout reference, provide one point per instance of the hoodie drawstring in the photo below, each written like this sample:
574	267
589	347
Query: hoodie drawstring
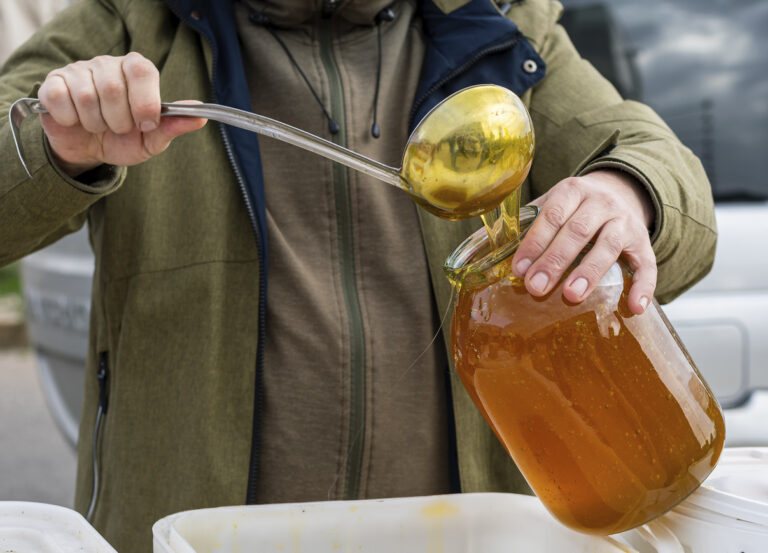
263	20
258	18
384	15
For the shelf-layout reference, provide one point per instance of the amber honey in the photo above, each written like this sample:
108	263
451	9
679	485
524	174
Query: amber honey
602	410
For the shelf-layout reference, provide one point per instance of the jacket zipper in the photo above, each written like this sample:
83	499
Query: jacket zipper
356	438
258	400
102	376
501	46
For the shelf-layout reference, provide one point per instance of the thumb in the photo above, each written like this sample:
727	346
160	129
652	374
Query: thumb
158	140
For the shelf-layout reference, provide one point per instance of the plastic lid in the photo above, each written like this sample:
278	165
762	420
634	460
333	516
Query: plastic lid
27	527
738	487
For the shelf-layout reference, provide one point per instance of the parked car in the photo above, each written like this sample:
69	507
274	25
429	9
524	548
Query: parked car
57	294
703	65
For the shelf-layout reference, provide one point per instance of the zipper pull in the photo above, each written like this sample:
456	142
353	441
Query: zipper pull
329	7
102	376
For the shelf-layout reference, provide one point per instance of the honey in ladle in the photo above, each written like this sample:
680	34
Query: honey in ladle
467	161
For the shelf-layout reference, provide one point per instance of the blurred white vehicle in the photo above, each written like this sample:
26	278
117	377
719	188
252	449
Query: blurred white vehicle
703	65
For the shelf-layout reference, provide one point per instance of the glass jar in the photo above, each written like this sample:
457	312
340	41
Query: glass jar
602	410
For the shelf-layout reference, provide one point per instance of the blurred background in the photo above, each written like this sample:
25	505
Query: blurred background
702	64
37	461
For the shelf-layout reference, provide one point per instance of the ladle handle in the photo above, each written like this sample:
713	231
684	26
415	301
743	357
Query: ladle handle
274	129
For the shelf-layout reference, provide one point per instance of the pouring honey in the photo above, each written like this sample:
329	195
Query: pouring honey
602	410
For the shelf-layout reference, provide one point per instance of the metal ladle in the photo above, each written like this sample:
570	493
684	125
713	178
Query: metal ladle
468	153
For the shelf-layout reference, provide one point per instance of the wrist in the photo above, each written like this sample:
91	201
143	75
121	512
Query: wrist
634	192
71	169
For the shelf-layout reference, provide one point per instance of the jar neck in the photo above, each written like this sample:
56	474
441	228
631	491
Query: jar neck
474	256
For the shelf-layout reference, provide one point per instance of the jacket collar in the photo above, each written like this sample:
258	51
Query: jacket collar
450	65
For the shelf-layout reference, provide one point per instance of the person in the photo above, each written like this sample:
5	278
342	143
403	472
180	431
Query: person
256	308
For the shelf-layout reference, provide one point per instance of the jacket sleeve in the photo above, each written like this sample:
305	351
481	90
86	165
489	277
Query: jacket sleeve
582	124
36	212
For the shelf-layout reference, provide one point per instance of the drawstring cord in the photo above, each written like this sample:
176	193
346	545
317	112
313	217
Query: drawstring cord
258	18
263	20
384	15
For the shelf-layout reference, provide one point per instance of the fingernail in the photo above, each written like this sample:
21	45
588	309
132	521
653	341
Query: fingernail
148	126
522	266
579	286
643	302
539	282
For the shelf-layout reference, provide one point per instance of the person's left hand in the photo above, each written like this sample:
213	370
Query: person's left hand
610	208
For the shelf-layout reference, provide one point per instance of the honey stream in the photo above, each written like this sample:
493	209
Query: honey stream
503	223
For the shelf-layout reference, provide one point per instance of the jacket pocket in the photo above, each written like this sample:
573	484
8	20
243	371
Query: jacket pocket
102	375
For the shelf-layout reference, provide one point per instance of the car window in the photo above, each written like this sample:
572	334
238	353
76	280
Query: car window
701	64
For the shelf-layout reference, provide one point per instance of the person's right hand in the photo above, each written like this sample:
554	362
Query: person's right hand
107	110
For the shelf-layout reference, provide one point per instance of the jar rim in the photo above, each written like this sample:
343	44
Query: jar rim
464	260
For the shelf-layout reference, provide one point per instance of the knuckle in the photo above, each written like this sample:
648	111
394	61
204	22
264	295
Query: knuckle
580	228
138	67
54	90
103	60
113	89
613	243
572	185
134	56
591	271
571	182
144	110
79	66
532	246
556	261
611	203
555	216
87	98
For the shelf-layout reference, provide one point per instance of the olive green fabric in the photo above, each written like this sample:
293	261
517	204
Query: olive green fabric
176	264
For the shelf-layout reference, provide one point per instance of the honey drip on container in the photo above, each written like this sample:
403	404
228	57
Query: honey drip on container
602	410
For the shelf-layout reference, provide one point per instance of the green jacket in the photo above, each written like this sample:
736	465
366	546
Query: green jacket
176	228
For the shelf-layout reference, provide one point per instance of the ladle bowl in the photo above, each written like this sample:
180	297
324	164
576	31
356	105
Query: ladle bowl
468	153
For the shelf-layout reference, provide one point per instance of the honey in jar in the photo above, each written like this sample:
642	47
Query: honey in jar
602	410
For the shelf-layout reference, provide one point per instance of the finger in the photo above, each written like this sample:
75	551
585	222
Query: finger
113	94
54	95
642	261
143	81
556	207
79	81
565	248
158	140
607	248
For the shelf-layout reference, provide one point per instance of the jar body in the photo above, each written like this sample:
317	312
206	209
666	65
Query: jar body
602	410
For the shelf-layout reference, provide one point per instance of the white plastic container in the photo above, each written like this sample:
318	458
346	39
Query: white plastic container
729	512
475	523
41	528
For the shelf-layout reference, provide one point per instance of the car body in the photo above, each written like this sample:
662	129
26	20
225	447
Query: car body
703	65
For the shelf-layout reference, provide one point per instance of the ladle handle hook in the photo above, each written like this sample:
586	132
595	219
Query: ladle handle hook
244	120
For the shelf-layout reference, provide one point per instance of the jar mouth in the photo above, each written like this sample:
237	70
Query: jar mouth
475	255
